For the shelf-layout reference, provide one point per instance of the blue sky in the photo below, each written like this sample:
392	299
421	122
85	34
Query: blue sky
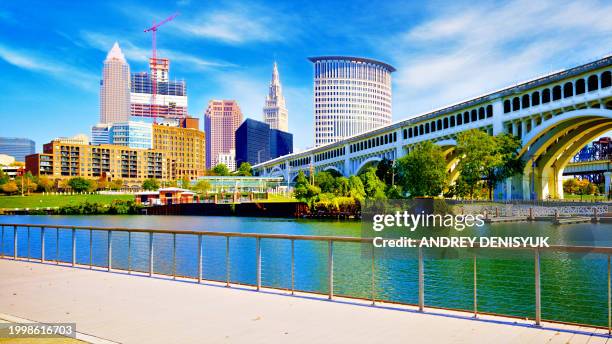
51	52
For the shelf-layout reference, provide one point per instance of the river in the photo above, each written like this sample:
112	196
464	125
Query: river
574	286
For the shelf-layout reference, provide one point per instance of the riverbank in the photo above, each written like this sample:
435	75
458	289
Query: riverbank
55	201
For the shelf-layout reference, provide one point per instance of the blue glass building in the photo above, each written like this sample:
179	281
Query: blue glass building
17	147
257	143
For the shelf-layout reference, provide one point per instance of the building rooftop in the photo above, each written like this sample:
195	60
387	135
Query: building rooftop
352	58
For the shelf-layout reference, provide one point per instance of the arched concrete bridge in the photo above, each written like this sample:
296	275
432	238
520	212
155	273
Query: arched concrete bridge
554	116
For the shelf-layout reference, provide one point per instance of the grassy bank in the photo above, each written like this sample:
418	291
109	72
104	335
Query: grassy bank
44	201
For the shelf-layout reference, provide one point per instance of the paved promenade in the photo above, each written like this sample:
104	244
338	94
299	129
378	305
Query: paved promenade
138	309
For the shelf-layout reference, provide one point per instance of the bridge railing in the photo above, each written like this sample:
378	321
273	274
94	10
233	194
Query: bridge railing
97	247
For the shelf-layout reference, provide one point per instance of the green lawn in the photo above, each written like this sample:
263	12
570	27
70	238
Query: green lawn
593	198
44	201
278	199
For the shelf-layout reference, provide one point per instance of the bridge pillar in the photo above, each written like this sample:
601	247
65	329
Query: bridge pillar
607	182
498	124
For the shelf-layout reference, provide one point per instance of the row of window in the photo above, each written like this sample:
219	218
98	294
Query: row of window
374	142
299	162
558	92
449	122
330	154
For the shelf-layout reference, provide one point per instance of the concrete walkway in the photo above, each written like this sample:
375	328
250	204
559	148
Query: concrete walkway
138	309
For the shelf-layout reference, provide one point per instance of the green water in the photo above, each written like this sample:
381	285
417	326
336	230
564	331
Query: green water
574	286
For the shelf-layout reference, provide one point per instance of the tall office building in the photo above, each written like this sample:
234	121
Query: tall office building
115	88
131	134
221	119
170	95
275	113
17	147
351	95
183	147
257	143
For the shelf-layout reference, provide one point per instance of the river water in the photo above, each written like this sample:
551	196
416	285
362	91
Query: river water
574	286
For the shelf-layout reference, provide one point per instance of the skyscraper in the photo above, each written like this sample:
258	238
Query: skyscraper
257	143
16	147
275	113
221	119
115	88
351	95
170	95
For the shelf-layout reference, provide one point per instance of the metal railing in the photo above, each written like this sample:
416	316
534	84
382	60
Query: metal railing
330	240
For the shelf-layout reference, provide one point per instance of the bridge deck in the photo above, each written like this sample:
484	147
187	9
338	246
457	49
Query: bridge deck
135	309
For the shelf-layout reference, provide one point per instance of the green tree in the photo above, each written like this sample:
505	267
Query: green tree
245	169
374	187
508	147
150	184
79	184
4	178
325	181
356	189
479	154
342	187
201	187
304	191
221	170
385	171
423	171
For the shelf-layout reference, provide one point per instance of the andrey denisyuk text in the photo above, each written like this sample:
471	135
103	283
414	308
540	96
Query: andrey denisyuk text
462	242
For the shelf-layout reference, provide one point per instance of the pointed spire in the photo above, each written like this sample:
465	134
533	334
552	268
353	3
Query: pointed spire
116	53
275	78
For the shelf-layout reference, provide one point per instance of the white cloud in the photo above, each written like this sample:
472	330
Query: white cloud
31	61
133	52
465	51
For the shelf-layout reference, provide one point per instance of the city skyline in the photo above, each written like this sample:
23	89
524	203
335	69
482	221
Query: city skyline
442	56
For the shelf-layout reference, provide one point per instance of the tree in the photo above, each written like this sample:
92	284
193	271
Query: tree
245	169
423	171
385	171
79	184
374	187
201	187
44	183
508	147
325	181
150	184
4	178
185	182
303	190
356	189
342	187
116	184
9	188
26	183
102	183
221	170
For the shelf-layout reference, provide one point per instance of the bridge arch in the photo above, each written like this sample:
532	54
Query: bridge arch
549	147
333	168
371	161
277	172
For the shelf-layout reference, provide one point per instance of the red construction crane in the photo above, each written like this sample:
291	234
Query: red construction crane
153	30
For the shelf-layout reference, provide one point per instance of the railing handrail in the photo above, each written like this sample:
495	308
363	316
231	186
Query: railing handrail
559	248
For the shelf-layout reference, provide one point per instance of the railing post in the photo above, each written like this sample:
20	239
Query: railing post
15	242
42	244
330	269
91	249
475	287
150	254
538	300
373	277
129	252
227	262
609	300
173	255
110	249
421	281
258	248
73	246
200	254
292	266
2	243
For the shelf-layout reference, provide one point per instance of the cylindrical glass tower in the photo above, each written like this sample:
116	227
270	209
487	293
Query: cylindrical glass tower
351	95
